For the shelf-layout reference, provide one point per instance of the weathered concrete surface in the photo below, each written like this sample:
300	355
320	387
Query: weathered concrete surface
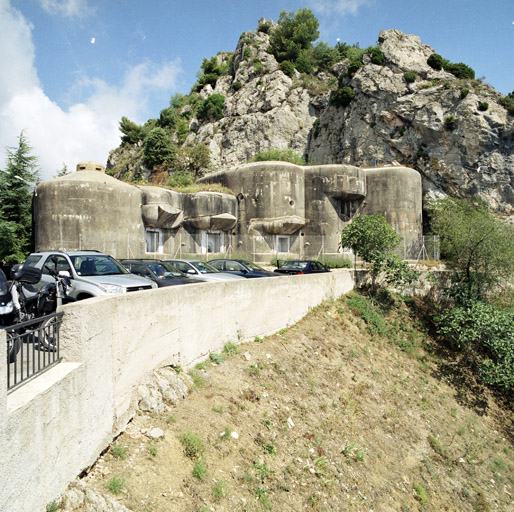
57	425
303	207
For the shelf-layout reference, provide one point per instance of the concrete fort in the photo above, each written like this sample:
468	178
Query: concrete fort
56	425
276	208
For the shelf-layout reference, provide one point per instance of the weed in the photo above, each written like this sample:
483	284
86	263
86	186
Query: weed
53	506
152	452
263	497
255	369
421	494
203	364
498	464
219	490
216	358
119	451
320	465
219	410
200	469
267	423
282	331
225	434
193	445
171	419
230	349
437	446
262	471
177	369
269	448
198	380
116	485
258	339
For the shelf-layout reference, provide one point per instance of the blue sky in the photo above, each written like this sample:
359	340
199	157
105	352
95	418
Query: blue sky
70	69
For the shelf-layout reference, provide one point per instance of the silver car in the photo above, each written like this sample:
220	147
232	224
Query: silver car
92	273
201	271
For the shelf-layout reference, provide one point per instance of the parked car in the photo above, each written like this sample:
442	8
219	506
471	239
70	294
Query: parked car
201	271
302	267
92	273
160	272
241	268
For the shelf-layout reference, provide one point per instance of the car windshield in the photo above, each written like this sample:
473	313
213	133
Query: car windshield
4	287
253	266
295	264
97	265
204	268
164	270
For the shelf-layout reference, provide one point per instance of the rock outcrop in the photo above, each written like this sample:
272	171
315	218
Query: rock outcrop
453	131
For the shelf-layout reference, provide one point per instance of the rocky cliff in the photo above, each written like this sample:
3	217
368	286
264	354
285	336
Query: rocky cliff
453	131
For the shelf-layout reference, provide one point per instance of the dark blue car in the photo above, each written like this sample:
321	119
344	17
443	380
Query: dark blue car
241	268
302	267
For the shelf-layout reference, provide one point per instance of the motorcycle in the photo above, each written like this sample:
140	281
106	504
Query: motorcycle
22	302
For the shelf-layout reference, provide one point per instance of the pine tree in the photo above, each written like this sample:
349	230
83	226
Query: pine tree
16	184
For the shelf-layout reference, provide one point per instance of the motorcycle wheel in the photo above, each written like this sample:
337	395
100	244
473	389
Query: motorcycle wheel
13	347
45	334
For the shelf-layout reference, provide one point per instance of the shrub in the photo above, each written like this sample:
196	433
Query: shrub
287	68
354	66
464	93
485	334
460	70
435	61
264	27
158	148
211	108
483	106
236	86
283	155
303	63
343	96
508	102
324	56
193	445
180	179
168	118
410	76
450	123
376	54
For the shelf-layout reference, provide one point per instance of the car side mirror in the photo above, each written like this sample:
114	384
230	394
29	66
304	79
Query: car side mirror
191	271
64	273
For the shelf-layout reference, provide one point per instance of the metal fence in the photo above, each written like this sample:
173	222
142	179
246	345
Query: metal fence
32	348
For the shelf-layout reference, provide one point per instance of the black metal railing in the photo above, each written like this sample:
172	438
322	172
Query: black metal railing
32	348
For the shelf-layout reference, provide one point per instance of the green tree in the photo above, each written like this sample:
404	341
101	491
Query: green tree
158	148
211	109
16	183
295	32
132	132
168	118
475	244
373	239
284	155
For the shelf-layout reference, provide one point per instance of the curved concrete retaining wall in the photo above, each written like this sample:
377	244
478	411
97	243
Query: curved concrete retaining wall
55	426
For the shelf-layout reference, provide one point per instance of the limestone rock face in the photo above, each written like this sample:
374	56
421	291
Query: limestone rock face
433	124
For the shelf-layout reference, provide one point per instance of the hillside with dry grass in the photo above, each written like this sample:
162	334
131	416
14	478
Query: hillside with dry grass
335	413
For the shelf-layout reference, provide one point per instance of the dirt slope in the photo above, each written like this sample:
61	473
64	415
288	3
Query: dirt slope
321	416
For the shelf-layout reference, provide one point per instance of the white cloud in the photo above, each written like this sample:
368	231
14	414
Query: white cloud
67	8
86	130
338	7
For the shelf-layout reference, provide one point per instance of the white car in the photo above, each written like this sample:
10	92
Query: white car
92	273
201	271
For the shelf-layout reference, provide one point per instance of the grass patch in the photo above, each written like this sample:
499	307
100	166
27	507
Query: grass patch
421	494
193	445
219	491
116	485
230	349
119	451
200	470
197	377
